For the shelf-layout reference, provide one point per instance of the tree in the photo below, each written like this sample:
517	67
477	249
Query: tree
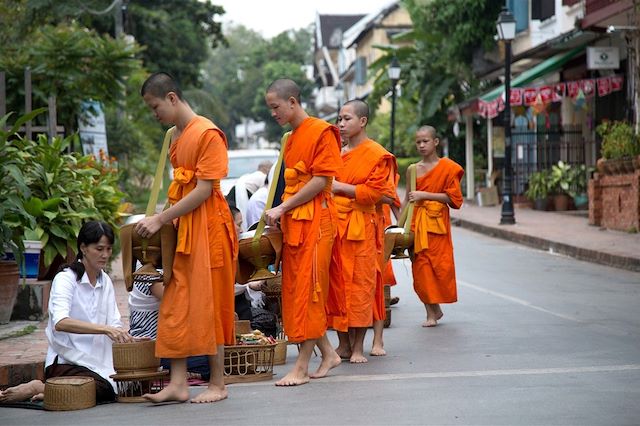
436	58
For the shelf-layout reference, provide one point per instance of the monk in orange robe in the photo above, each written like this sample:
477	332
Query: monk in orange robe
308	220
437	189
360	186
197	311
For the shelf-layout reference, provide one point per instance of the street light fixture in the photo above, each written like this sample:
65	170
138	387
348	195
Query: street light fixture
394	75
506	26
338	91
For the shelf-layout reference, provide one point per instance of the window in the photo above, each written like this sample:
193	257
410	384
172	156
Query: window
542	9
520	11
361	71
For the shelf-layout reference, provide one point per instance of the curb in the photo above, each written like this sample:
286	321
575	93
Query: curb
601	258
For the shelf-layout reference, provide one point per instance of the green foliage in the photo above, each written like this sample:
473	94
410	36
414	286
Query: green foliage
13	189
403	165
539	185
69	62
436	58
177	35
379	128
618	140
239	73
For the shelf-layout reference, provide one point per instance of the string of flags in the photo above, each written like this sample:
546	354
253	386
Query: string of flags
539	97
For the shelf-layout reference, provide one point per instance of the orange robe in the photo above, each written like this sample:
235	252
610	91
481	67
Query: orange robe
434	274
197	309
313	149
368	167
383	217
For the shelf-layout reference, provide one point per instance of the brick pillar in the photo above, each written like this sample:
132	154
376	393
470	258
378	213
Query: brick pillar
594	192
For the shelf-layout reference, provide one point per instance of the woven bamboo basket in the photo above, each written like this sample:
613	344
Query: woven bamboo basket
387	296
248	363
135	356
69	393
131	386
280	353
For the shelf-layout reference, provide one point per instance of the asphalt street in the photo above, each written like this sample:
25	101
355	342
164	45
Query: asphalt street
535	338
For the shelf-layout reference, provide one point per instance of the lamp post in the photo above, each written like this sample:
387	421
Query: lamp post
506	26
338	90
394	75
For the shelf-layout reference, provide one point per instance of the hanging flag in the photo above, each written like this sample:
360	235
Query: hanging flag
492	109
604	86
538	105
515	98
580	102
560	90
546	94
616	82
500	102
529	96
573	87
588	87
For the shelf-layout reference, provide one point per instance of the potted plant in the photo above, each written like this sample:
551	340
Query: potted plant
13	217
578	186
561	179
538	189
620	147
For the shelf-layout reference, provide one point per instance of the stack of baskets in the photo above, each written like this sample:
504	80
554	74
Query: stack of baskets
137	370
248	363
273	292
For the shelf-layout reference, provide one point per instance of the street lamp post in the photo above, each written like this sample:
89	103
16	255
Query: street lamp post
394	75
506	26
338	90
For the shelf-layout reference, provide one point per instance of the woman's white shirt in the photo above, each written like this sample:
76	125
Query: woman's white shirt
82	301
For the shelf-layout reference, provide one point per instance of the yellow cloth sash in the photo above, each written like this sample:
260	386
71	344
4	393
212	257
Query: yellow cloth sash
428	219
295	178
182	184
354	224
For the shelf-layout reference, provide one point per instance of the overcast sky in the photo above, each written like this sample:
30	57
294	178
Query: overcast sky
271	17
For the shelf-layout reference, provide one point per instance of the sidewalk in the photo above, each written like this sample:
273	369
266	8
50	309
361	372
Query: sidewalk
21	358
567	233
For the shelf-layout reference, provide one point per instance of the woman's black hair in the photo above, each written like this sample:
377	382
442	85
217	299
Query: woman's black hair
90	233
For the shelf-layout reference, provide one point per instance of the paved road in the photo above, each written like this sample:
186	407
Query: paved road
535	339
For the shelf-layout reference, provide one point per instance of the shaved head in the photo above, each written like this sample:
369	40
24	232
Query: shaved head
285	88
159	85
430	129
359	107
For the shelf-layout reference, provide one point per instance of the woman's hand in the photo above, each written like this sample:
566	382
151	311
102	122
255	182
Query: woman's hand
118	335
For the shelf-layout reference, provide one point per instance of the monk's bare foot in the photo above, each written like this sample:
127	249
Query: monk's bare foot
430	322
327	364
358	358
22	392
178	393
293	379
212	394
343	353
439	314
377	350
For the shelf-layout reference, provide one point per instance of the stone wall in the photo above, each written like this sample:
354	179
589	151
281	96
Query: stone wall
614	201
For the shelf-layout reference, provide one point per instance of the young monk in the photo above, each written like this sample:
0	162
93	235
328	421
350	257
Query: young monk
197	311
307	217
437	189
368	175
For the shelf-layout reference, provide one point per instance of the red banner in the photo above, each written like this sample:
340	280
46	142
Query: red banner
530	96
573	87
616	82
588	87
515	97
559	91
546	94
604	86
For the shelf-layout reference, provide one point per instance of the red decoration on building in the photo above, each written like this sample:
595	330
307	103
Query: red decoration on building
530	96
604	86
588	87
617	81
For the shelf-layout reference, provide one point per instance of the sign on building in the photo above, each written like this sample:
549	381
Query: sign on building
603	58
92	129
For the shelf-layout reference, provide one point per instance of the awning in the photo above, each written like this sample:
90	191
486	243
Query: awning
543	68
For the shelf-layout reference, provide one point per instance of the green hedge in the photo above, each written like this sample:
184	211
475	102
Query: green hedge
403	165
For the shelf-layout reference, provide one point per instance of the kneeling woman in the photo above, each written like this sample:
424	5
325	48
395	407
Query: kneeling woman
83	319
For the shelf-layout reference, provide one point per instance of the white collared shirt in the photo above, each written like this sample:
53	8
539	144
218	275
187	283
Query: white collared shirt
82	301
